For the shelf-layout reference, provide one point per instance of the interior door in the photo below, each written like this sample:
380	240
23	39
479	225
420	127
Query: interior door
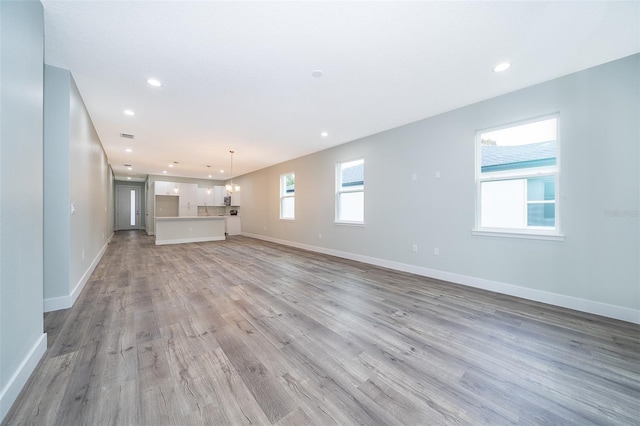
127	207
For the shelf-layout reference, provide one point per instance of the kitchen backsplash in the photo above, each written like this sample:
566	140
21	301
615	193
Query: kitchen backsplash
210	211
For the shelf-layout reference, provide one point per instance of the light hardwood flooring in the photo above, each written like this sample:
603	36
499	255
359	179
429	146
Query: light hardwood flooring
246	332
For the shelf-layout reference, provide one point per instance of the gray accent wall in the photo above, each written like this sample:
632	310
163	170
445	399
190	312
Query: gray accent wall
76	173
597	263
22	341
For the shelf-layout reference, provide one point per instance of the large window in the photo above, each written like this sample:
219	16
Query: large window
350	192
288	196
517	178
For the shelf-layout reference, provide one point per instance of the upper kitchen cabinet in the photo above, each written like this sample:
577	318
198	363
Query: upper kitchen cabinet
235	199
206	197
166	188
188	201
219	192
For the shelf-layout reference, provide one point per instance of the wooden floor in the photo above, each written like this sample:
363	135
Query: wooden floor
248	332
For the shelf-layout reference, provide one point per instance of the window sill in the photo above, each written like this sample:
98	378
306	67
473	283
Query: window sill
344	223
517	234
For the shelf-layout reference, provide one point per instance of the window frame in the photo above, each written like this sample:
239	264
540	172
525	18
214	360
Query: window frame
284	195
339	190
528	232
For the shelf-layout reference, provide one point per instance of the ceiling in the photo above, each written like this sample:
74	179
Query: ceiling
238	75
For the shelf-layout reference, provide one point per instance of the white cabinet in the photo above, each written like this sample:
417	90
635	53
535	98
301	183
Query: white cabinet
188	201
233	225
206	197
235	199
165	188
219	192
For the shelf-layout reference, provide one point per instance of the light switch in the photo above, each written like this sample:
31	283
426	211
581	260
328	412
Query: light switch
73	208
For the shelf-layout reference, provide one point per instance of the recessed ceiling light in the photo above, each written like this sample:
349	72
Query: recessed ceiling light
501	67
170	165
153	82
129	168
221	171
164	171
210	176
128	150
324	134
317	73
129	112
128	177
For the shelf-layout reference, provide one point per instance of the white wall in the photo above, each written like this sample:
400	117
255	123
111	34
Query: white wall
76	173
595	269
22	341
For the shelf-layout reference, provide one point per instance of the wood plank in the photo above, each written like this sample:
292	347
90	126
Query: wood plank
248	332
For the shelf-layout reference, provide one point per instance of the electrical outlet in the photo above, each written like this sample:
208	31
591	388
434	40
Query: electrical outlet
414	248
436	251
82	254
320	235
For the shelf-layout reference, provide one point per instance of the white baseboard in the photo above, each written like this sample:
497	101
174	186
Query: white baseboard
17	381
65	302
583	305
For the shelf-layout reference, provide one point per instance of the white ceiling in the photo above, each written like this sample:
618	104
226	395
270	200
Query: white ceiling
237	75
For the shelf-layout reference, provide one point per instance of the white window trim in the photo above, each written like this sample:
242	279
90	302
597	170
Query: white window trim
284	195
535	233
339	191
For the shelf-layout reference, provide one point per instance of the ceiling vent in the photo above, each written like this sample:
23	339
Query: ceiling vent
126	136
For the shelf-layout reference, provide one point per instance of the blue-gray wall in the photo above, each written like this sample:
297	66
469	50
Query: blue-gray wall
22	341
76	172
57	226
595	269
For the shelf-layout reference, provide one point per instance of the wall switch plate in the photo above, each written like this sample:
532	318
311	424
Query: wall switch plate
437	175
414	177
436	251
320	235
414	248
73	208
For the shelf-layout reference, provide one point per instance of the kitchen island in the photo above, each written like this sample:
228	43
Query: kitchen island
189	229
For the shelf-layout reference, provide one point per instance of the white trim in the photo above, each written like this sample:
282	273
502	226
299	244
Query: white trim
570	302
189	240
490	232
17	381
65	302
348	223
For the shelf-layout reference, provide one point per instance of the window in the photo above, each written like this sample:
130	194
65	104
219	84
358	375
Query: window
517	178
287	196
350	192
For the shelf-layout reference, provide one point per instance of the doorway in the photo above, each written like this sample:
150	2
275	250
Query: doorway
127	207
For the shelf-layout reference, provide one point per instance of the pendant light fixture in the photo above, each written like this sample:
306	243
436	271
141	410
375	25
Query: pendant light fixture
231	188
